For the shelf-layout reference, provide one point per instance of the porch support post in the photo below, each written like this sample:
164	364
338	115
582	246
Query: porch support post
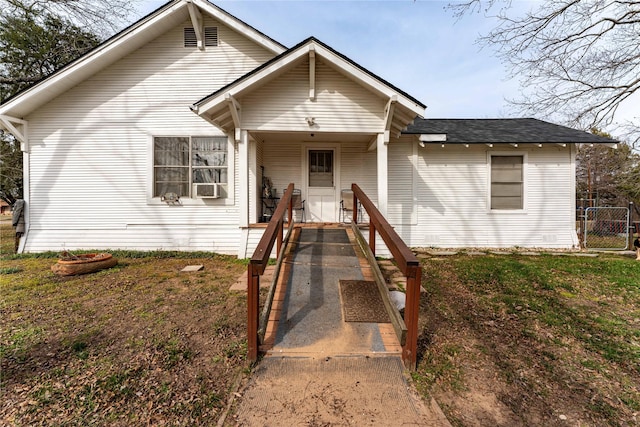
383	171
383	184
253	182
243	179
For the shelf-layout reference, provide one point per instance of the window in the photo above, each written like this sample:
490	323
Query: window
320	168
210	37
507	182
179	162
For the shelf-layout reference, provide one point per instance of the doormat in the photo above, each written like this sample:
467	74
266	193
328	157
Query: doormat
361	302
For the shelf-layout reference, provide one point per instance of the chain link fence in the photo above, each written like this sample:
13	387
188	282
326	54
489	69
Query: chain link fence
605	228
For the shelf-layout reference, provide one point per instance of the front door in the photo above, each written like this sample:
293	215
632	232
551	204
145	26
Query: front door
321	185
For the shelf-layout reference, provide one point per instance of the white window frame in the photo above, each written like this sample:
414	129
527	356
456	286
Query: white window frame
525	191
192	201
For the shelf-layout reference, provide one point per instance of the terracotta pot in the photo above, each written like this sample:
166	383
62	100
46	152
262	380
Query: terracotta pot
83	264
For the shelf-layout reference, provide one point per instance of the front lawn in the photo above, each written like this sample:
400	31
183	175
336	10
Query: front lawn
139	344
532	340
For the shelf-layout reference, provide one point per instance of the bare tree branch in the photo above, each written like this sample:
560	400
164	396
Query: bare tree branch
578	61
98	16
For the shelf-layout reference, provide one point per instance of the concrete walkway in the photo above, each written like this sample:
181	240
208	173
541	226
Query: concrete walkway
318	369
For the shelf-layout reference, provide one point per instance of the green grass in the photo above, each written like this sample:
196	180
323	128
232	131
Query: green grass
565	321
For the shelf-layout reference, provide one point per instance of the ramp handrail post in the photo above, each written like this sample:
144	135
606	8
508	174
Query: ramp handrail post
411	314
372	238
253	299
279	235
290	210
355	210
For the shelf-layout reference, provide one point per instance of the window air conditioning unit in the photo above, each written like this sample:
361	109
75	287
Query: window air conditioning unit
207	191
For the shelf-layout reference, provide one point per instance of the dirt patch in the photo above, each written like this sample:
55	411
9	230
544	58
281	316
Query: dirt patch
338	391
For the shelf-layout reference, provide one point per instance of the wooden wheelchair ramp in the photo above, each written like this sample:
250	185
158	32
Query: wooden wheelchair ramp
318	368
308	317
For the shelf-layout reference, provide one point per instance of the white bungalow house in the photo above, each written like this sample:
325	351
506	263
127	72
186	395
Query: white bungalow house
192	102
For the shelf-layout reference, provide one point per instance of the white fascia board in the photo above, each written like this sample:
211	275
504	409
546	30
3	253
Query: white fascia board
367	80
239	26
433	137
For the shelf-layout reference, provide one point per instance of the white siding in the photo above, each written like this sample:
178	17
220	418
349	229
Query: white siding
401	208
452	194
340	105
282	164
91	150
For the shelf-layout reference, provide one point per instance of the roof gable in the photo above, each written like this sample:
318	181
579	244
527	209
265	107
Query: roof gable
128	40
214	107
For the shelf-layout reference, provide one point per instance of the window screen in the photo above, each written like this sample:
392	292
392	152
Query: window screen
506	182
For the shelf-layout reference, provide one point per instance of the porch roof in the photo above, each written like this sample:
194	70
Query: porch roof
494	131
222	108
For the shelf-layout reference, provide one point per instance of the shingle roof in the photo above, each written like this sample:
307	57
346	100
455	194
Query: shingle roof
519	131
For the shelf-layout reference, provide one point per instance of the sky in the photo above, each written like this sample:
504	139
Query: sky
418	46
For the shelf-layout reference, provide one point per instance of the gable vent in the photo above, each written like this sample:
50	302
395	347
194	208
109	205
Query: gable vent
210	37
190	39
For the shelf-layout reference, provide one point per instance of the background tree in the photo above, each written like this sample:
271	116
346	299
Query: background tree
33	47
97	16
605	175
10	169
578	61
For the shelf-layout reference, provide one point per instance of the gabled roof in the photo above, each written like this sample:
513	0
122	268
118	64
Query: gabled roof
494	131
126	41
215	104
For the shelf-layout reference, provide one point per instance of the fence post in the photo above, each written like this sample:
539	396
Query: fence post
630	227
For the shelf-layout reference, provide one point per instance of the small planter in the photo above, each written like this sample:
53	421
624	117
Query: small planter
83	264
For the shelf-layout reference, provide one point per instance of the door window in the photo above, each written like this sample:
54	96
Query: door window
321	168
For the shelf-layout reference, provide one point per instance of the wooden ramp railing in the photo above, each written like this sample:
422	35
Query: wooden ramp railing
408	264
257	324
